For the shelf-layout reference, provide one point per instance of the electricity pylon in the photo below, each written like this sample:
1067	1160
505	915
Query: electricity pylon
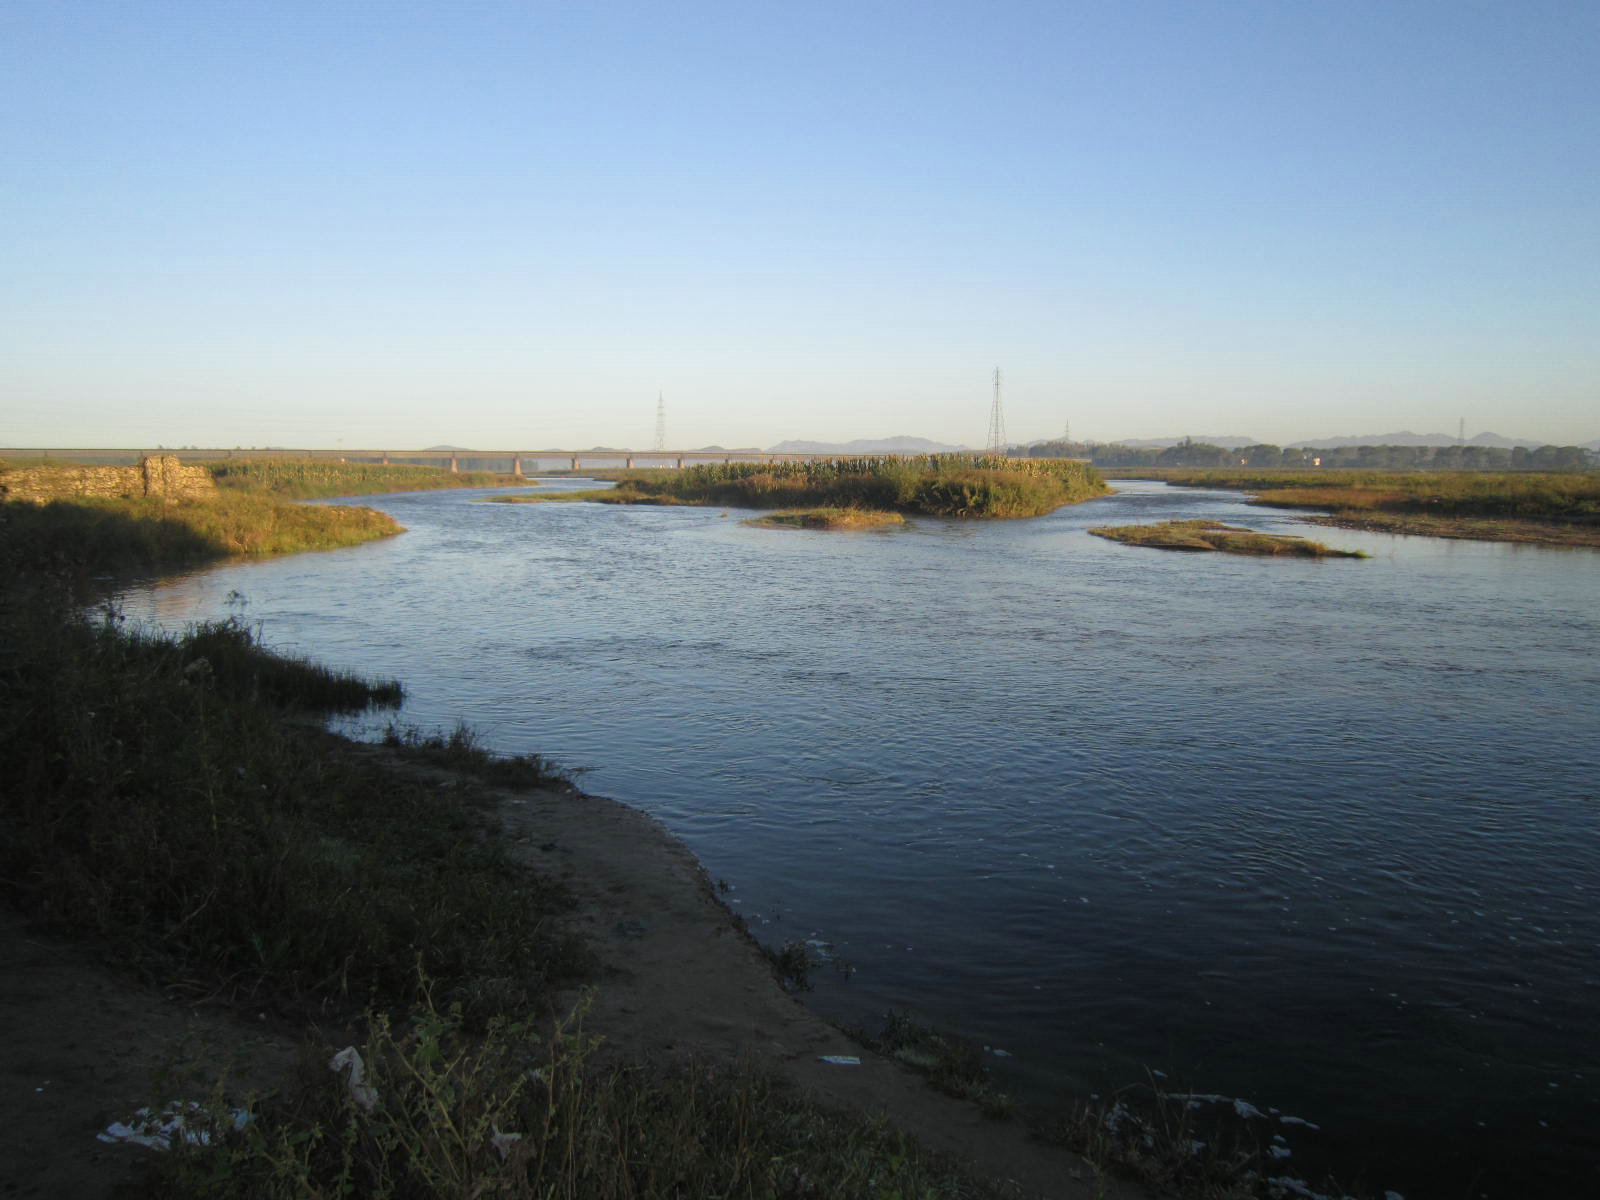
661	423
997	423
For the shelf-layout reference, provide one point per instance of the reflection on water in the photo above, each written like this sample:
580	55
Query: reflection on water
1321	834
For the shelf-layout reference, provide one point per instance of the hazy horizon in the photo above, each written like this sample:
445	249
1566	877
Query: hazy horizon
506	225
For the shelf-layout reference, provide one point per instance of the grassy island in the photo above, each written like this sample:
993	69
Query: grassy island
1214	535
939	485
827	518
1501	506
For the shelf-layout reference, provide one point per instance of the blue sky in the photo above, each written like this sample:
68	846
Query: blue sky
403	224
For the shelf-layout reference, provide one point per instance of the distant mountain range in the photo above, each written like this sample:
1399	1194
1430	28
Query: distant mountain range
891	445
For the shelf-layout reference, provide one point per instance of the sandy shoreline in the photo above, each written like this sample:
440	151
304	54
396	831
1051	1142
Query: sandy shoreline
679	977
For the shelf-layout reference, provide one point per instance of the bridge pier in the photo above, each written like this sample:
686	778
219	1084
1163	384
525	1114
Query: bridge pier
386	458
516	464
680	464
628	463
574	462
454	470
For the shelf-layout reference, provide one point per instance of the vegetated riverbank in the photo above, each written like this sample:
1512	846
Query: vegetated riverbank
827	519
312	478
106	534
1204	535
249	514
168	803
1500	506
942	485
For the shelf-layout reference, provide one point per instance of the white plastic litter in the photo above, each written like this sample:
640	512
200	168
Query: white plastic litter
502	1142
156	1130
363	1093
841	1060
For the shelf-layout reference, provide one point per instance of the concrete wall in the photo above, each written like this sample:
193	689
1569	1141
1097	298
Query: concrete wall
162	476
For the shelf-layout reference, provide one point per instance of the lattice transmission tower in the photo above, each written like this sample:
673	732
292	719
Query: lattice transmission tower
997	423
661	423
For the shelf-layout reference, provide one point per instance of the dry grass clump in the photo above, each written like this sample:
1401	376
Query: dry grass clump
1214	535
828	518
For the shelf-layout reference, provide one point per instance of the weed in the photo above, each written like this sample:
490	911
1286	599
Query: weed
439	1112
952	1063
827	518
163	794
1198	1147
793	962
461	751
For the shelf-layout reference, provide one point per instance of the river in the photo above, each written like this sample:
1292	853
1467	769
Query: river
1317	835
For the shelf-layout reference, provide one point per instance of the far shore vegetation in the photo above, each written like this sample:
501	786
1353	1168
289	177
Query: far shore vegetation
318	478
1553	508
943	485
827	518
1214	535
1265	456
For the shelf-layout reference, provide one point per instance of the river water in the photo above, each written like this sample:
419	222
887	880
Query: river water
1317	835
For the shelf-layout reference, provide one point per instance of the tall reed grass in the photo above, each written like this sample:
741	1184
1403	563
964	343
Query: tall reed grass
316	478
935	485
1571	497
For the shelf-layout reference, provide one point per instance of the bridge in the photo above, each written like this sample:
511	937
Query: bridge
511	462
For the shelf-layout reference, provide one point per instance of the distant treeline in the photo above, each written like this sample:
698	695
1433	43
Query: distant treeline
1379	458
